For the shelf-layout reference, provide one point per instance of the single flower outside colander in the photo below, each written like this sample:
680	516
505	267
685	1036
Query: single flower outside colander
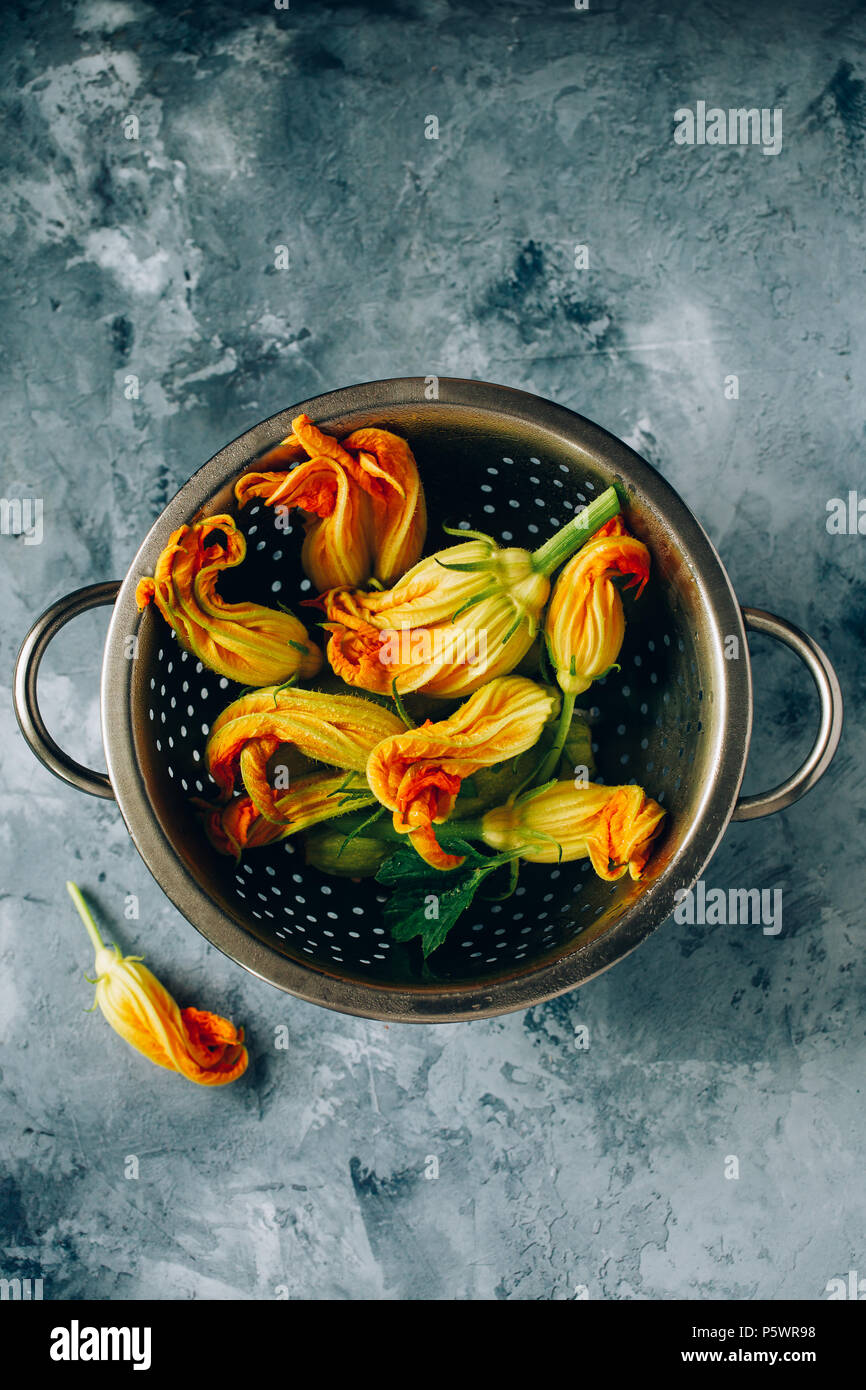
676	718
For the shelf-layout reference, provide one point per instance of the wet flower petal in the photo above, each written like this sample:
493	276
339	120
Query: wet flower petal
238	824
385	468
336	515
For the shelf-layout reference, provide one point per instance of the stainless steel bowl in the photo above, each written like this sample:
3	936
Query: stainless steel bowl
677	718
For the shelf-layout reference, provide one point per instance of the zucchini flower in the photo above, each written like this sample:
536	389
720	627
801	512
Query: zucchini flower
339	730
585	623
361	500
237	825
457	619
245	642
385	467
417	773
337	529
203	1047
613	826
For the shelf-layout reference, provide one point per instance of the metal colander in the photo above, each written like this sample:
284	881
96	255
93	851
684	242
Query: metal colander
676	718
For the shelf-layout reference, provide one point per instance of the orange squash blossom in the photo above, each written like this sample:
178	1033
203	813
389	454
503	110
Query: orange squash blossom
201	1046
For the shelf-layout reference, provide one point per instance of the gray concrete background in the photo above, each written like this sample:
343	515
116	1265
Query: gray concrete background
559	1169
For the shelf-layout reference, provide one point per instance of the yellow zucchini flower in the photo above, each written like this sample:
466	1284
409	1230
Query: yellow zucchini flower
361	501
613	826
338	730
585	623
417	773
385	468
245	642
457	619
237	825
201	1046
441	630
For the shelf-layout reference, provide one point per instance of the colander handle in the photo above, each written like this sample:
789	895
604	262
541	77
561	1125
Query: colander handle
27	712
830	695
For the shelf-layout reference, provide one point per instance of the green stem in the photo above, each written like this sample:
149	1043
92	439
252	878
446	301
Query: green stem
86	916
459	830
554	752
447	831
570	538
401	708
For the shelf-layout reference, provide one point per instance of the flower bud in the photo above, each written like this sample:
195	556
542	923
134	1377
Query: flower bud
238	824
333	852
585	624
613	826
458	619
202	1046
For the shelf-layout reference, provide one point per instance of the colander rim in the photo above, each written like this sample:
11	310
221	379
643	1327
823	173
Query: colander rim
518	987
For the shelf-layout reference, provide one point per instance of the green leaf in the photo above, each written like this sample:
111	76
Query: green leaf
514	626
547	664
406	866
286	685
513	873
464	531
530	795
414	912
469	567
476	598
353	796
427	903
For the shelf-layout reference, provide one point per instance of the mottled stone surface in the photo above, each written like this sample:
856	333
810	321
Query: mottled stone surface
558	1168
